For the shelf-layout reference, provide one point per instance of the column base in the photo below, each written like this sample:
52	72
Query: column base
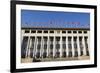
47	59
84	57
26	60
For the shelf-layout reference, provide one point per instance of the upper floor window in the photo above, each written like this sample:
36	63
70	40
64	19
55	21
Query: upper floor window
63	31
58	31
79	31
85	31
45	31
69	31
33	31
39	31
74	31
27	31
51	31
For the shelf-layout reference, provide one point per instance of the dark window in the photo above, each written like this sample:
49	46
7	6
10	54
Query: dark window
51	31
64	46
69	31
79	31
69	43
39	31
51	42
51	46
39	43
44	55
51	54
24	46
75	43
64	42
45	46
45	31
63	31
74	31
70	54
38	46
27	31
51	38
38	54
33	31
45	42
81	45
64	54
87	53
57	38
76	53
81	53
57	54
58	46
85	31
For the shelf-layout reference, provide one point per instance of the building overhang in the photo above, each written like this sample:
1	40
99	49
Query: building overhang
46	28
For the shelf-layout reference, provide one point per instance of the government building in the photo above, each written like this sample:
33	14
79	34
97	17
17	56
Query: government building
40	44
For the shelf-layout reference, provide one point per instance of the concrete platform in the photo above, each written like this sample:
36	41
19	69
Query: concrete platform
30	60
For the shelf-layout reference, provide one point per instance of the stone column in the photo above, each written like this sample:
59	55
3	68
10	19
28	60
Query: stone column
78	46
41	49
72	47
27	47
48	46
34	47
84	49
88	42
54	44
67	46
60	46
30	43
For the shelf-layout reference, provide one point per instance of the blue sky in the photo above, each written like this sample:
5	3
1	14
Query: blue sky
52	19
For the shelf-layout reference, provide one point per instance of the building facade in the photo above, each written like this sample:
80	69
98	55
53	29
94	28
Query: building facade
49	44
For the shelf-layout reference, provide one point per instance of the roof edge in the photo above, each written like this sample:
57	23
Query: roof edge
56	28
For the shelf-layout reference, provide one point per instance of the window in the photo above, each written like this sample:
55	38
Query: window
51	31
39	31
38	54
69	31
57	54
44	55
76	53
69	43
58	31
27	31
39	43
51	54
64	42
24	47
64	54
81	45
57	42
63	31
70	54
33	31
51	42
74	31
45	31
45	43
75	43
85	31
79	31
